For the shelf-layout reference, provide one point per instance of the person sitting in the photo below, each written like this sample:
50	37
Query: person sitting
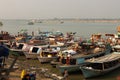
68	59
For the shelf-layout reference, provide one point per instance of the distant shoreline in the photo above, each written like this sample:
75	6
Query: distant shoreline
73	20
86	20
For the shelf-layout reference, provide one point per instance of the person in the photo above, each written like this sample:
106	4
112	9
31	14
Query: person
48	45
68	59
65	74
26	77
62	59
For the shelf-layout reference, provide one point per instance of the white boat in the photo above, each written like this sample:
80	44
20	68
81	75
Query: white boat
21	48
33	52
47	56
116	48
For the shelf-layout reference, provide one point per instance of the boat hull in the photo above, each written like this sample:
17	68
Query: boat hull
81	61
89	73
69	68
46	59
31	55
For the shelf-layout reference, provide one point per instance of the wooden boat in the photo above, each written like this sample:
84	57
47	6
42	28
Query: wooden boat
50	53
77	60
101	65
1	24
33	52
47	56
38	40
21	48
18	48
116	48
4	35
31	23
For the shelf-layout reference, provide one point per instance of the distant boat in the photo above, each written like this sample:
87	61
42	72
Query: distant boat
61	22
101	65
39	22
31	23
1	23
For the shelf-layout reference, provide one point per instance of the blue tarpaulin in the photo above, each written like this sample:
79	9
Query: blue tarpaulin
4	51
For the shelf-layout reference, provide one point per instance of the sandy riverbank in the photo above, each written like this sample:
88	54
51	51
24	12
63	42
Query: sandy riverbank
30	65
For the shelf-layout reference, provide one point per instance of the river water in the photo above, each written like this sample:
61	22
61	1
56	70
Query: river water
83	29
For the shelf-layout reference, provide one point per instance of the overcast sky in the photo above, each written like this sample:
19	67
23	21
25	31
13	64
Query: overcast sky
27	9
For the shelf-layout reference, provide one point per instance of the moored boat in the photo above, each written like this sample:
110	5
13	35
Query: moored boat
31	23
1	23
116	48
17	48
47	56
77	60
101	65
33	52
20	48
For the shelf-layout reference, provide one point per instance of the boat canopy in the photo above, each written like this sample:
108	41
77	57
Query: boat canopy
107	58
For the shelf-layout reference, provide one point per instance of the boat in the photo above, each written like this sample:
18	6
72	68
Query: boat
38	40
100	66
33	52
4	35
31	23
1	23
116	48
79	59
17	48
62	22
47	56
21	48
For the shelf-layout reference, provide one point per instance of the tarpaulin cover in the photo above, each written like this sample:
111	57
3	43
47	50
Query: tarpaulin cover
4	51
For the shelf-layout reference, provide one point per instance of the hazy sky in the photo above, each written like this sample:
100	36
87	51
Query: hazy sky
27	9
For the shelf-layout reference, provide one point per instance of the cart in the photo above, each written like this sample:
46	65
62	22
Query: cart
5	71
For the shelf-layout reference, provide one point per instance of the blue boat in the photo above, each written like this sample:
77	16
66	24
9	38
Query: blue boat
101	65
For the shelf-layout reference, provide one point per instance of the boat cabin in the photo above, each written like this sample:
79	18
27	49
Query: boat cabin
35	49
